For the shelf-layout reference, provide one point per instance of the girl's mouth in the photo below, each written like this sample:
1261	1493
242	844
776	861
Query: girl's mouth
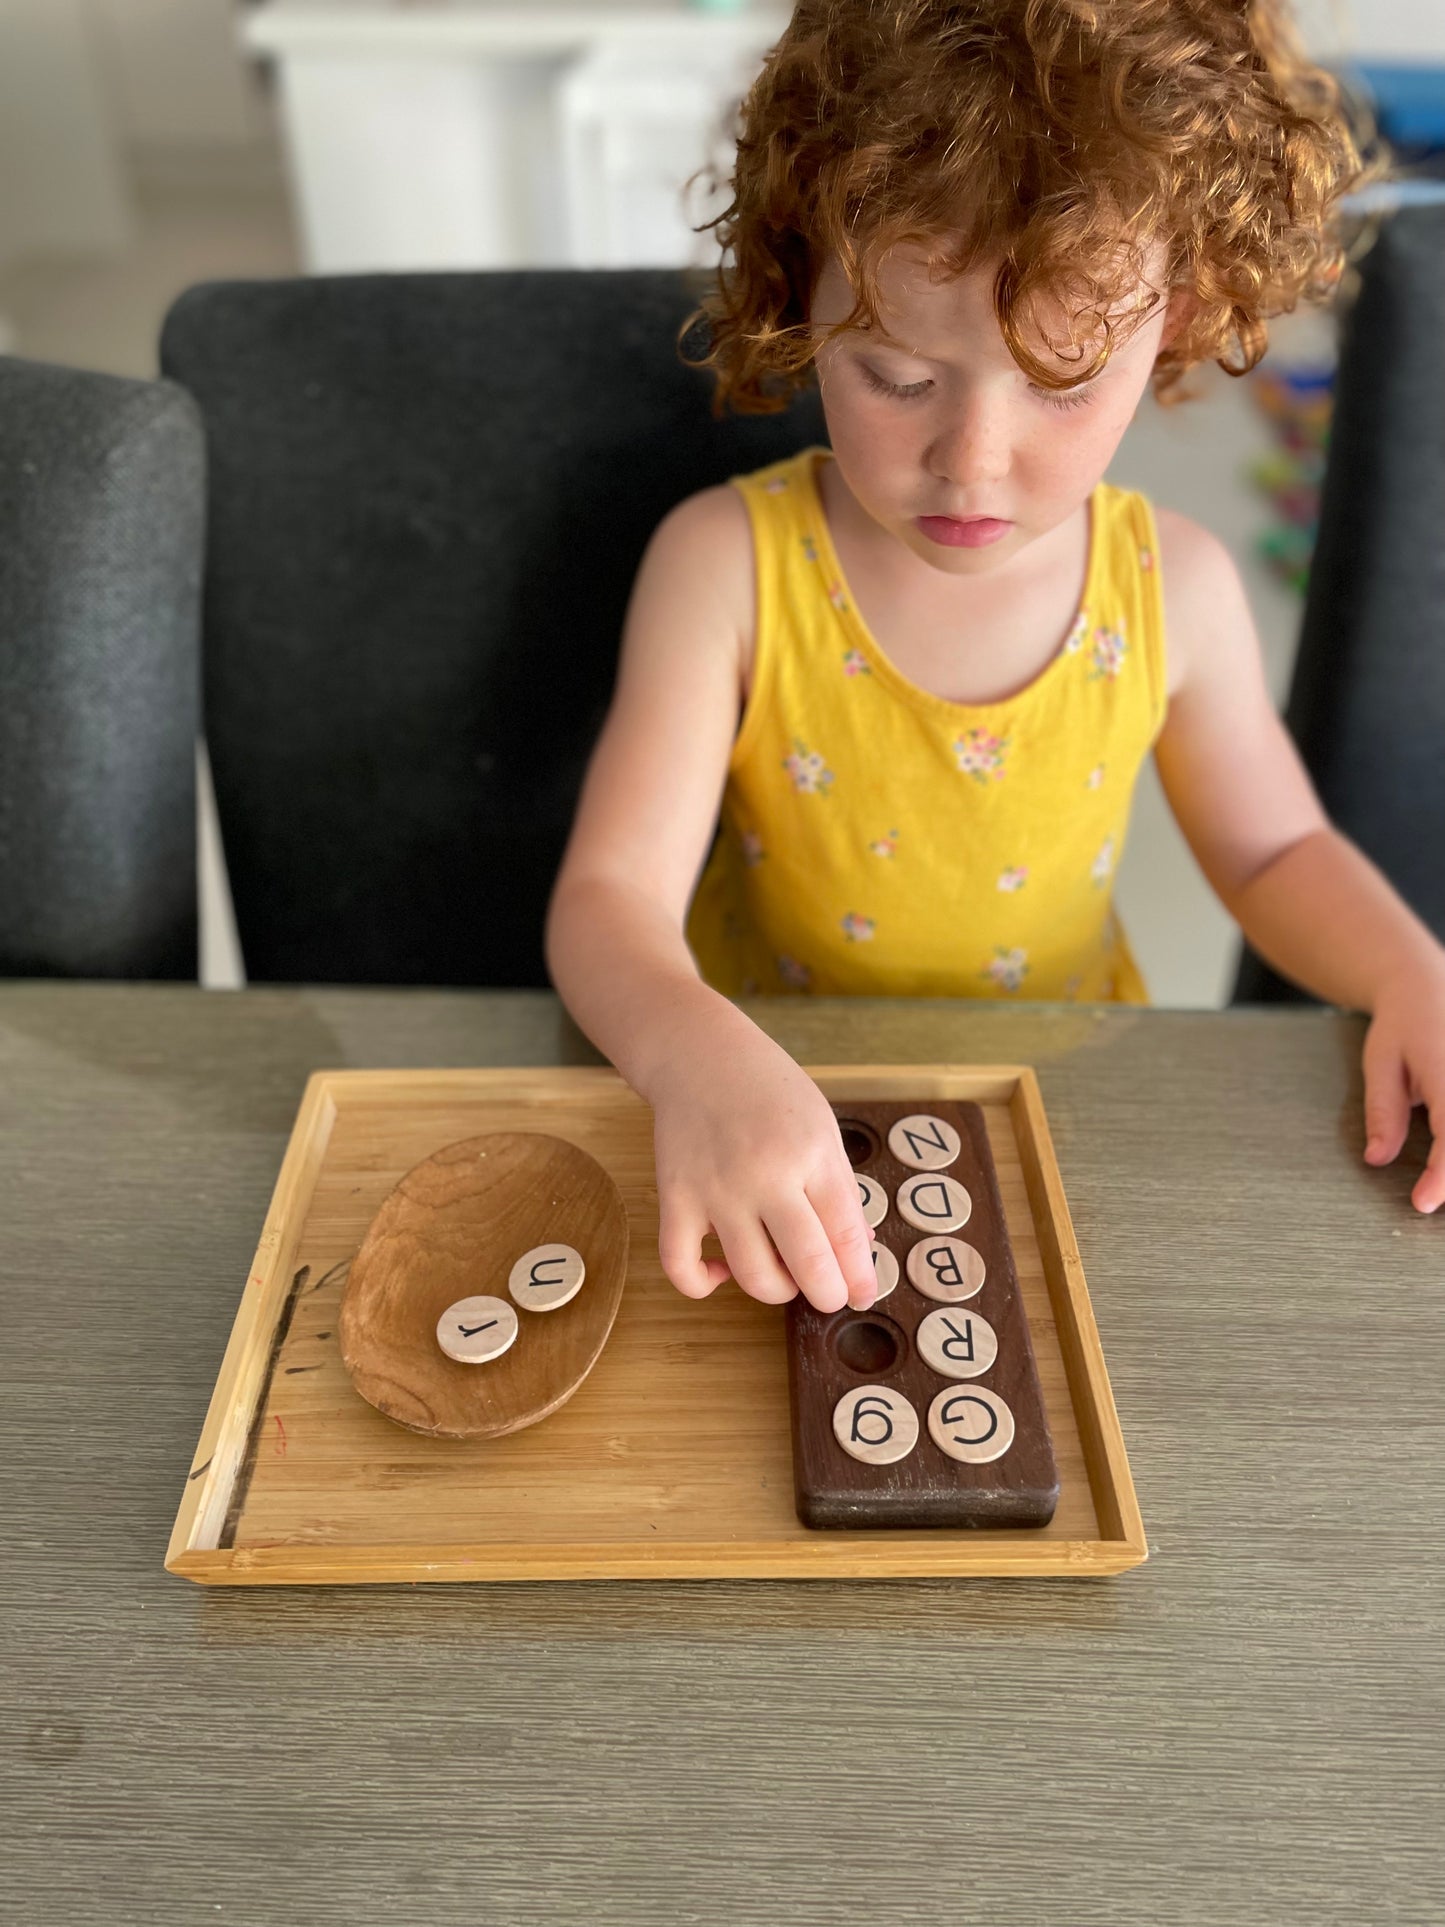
974	532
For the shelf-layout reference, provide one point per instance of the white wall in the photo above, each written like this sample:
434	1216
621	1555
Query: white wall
174	72
1382	30
60	179
92	89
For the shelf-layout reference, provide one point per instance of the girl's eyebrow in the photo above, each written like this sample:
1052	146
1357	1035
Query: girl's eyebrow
897	347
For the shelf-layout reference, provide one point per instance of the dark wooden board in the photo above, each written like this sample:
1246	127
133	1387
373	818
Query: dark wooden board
927	1487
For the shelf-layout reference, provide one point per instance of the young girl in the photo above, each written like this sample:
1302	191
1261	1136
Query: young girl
920	671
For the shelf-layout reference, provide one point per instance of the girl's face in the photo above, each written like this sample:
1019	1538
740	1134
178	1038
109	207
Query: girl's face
940	435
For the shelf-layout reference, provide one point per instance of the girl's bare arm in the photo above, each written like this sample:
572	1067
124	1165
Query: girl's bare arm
746	1144
1303	895
615	943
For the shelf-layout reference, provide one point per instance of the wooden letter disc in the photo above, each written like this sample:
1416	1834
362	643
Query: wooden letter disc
957	1344
873	1198
476	1330
946	1269
885	1270
875	1424
926	1143
454	1228
933	1202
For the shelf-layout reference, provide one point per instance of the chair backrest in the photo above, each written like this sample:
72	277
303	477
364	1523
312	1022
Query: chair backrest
428	498
1367	706
101	526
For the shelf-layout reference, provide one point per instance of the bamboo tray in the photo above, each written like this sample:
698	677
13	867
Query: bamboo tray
673	1461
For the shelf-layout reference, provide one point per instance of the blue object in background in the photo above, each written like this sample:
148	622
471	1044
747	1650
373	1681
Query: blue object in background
1409	105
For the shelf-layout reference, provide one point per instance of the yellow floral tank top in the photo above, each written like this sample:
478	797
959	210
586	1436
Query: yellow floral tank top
876	840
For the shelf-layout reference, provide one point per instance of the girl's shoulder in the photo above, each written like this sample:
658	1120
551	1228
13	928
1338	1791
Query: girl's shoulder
711	522
720	516
789	479
707	534
1201	587
716	540
1191	550
698	570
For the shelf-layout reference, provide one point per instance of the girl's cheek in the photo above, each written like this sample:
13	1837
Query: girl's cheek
874	443
1076	449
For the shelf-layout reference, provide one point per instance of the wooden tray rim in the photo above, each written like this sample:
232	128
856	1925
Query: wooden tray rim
244	1376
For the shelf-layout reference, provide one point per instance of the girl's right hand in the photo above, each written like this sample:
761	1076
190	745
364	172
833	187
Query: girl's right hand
748	1146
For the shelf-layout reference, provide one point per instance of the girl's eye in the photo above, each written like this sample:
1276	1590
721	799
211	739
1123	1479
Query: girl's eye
891	387
1063	397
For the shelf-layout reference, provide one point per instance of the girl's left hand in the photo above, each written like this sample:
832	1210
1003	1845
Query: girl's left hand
1405	1066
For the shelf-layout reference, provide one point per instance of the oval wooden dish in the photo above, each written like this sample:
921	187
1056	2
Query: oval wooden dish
453	1228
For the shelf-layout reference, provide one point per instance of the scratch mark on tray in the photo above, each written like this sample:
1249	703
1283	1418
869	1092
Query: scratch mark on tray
327	1276
199	1470
281	1436
247	1468
292	1370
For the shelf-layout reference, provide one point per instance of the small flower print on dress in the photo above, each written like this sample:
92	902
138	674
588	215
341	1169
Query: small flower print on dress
776	485
855	663
810	549
753	851
1074	641
1106	991
859	929
1107	655
795	973
980	754
836	596
1008	969
810	774
1095	778
885	845
1104	862
1146	560
1014	879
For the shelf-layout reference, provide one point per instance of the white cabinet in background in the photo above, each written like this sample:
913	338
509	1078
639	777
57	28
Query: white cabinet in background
646	152
482	135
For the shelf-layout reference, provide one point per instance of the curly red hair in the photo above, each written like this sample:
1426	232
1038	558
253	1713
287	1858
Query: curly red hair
1061	140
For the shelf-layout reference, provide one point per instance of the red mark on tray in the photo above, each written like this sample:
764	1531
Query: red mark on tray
280	1436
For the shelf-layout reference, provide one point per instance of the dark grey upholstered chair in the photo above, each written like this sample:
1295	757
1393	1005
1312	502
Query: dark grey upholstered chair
102	521
1367	706
428	498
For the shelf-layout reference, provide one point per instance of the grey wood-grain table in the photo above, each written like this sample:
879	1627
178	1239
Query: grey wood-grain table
1246	1729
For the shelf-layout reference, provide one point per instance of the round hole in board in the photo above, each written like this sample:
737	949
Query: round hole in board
860	1141
871	1346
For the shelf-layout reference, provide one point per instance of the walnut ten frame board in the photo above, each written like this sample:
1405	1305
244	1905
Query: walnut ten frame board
864	1370
674	1459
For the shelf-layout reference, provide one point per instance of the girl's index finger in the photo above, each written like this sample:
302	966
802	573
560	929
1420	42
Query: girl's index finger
840	1212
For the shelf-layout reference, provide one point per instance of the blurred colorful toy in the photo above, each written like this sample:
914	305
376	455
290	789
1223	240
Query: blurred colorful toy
1297	403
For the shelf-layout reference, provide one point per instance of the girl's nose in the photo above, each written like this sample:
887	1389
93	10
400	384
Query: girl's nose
972	448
